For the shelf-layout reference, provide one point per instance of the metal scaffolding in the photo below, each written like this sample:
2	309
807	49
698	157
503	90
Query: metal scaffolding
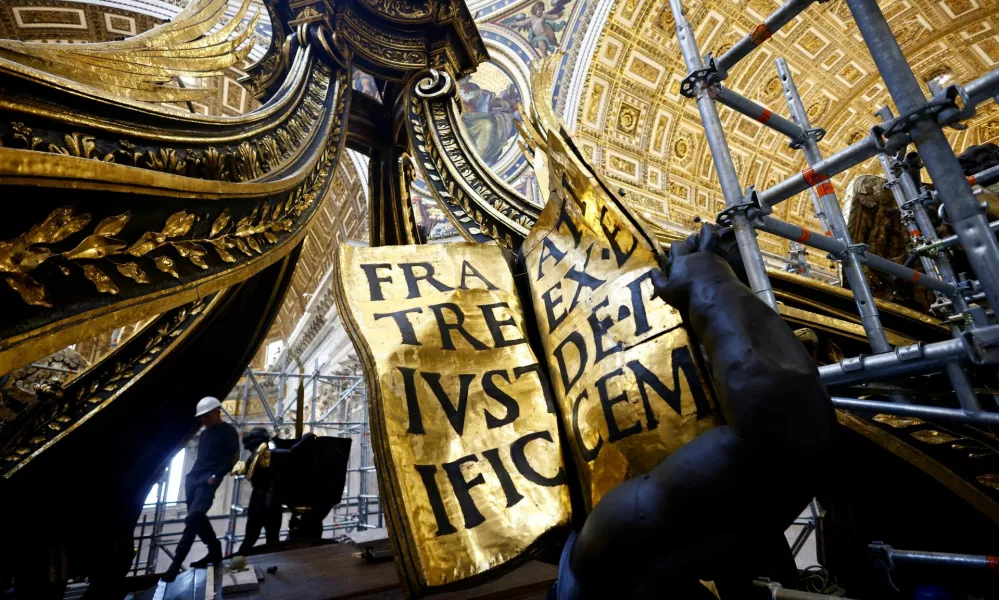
344	414
959	302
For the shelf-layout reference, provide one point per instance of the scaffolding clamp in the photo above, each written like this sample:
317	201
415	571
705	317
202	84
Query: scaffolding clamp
860	250
815	133
961	107
939	105
750	206
707	75
881	553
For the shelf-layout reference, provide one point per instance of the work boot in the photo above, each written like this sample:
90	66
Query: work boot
170	574
214	557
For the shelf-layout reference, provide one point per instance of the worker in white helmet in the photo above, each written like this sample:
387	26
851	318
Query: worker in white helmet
218	450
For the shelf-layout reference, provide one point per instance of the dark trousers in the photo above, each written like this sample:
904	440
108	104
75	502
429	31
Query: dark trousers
196	524
262	513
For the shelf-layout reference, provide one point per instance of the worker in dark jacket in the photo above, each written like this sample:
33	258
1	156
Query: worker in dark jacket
218	450
712	510
264	510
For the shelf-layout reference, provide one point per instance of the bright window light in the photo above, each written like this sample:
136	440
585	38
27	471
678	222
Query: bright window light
173	482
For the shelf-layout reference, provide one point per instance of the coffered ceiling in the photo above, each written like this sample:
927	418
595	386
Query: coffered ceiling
646	138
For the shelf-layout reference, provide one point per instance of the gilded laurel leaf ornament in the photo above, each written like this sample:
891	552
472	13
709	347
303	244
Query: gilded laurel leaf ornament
193	252
59	225
221	222
178	224
94	247
104	284
165	264
31	291
133	272
149	241
112	225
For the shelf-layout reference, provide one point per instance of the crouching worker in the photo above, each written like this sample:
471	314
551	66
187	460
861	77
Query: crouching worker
264	511
716	509
218	450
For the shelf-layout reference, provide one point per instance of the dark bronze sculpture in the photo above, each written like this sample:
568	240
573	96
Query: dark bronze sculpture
722	496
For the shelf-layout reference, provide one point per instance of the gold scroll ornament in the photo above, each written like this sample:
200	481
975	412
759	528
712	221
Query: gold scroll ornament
624	371
465	433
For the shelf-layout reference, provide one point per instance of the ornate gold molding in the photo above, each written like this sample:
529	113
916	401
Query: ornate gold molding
481	207
155	257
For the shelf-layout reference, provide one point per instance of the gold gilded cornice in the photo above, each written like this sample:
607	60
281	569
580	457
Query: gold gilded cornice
480	206
144	67
66	409
192	252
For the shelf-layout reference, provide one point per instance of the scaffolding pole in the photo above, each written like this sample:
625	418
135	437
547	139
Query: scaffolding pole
966	215
920	122
745	235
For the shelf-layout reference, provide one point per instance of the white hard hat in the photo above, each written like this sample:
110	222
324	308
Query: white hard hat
207	405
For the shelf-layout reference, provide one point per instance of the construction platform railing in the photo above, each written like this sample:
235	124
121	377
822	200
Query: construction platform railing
961	303
263	399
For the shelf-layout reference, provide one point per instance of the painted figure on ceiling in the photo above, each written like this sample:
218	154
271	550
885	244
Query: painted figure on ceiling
489	117
541	25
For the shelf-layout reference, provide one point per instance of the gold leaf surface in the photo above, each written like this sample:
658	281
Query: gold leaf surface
94	247
31	291
221	222
59	225
178	224
932	436
134	272
148	242
897	421
112	225
104	284
165	264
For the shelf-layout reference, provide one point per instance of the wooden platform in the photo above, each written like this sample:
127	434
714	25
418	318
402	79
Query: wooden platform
332	572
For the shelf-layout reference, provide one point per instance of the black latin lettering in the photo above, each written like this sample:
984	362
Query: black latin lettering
645	378
512	495
374	281
583	279
402	322
589	454
412	404
565	219
614	432
455	414
619	255
508	402
550	304
444	526
462	488
548	250
638	304
445	328
600	327
496	326
518	452
683	361
576	339
413	280
467	270
536	368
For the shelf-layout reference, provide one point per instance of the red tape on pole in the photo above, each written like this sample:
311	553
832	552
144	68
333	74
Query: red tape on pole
763	118
805	234
915	276
760	34
825	189
812	178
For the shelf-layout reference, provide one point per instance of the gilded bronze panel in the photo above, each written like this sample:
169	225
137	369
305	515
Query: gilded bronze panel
624	370
466	435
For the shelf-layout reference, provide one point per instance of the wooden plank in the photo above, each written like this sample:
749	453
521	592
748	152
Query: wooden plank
332	572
